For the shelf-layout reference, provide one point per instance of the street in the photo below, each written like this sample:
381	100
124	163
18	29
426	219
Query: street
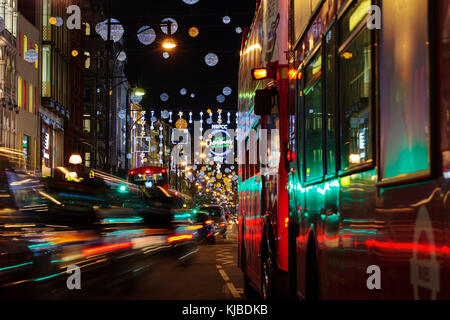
212	275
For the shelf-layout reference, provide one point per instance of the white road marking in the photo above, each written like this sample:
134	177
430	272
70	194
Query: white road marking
234	292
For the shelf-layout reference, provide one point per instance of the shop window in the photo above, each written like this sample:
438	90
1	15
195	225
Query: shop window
356	101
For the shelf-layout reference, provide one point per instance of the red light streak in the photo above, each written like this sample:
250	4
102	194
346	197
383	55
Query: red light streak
108	248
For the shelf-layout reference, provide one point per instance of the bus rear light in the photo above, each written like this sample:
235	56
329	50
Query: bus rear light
291	156
260	73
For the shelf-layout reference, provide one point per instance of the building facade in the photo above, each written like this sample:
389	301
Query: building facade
28	92
55	77
9	108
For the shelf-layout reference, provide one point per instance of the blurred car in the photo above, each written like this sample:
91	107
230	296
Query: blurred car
80	217
217	214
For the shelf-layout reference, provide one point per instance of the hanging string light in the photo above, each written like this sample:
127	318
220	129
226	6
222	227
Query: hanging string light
161	145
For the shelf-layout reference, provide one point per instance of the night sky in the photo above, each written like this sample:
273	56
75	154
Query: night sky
186	67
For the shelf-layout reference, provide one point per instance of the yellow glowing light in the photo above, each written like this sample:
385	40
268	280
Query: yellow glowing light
52	20
260	73
355	158
169	44
75	159
347	55
193	32
74	53
345	182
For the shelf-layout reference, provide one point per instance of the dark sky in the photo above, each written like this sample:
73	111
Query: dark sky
186	67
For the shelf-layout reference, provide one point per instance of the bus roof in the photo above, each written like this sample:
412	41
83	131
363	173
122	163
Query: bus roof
147	170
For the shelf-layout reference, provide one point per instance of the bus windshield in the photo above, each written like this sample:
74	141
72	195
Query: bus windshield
149	177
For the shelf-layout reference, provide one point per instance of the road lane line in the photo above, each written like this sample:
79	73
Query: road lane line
228	282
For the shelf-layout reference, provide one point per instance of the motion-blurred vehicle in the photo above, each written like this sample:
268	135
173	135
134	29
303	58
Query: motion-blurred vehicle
83	218
217	214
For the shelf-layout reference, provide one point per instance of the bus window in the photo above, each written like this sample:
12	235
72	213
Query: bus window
330	98
404	100
313	118
355	86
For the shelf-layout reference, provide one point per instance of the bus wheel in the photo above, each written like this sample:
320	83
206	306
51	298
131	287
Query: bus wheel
312	273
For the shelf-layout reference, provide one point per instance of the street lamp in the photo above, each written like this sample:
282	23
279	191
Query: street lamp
169	44
140	93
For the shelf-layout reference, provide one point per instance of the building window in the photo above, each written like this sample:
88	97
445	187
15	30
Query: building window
25	45
87	29
87	125
26	149
87	159
87	64
31	98
36	64
19	92
46	71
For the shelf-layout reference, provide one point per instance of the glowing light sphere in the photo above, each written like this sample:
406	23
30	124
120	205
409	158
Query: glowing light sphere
173	26
226	19
164	97
136	99
193	32
122	56
220	98
191	1
211	59
74	53
238	30
52	20
31	56
116	30
192	95
165	114
2	24
227	91
183	92
146	35
166	55
209	121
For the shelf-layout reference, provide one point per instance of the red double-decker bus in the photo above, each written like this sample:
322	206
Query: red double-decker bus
149	177
263	198
369	188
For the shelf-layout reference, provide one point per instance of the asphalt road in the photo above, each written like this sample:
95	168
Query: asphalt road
211	275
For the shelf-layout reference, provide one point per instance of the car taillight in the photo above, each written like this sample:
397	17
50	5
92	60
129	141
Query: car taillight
179	238
222	224
208	222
